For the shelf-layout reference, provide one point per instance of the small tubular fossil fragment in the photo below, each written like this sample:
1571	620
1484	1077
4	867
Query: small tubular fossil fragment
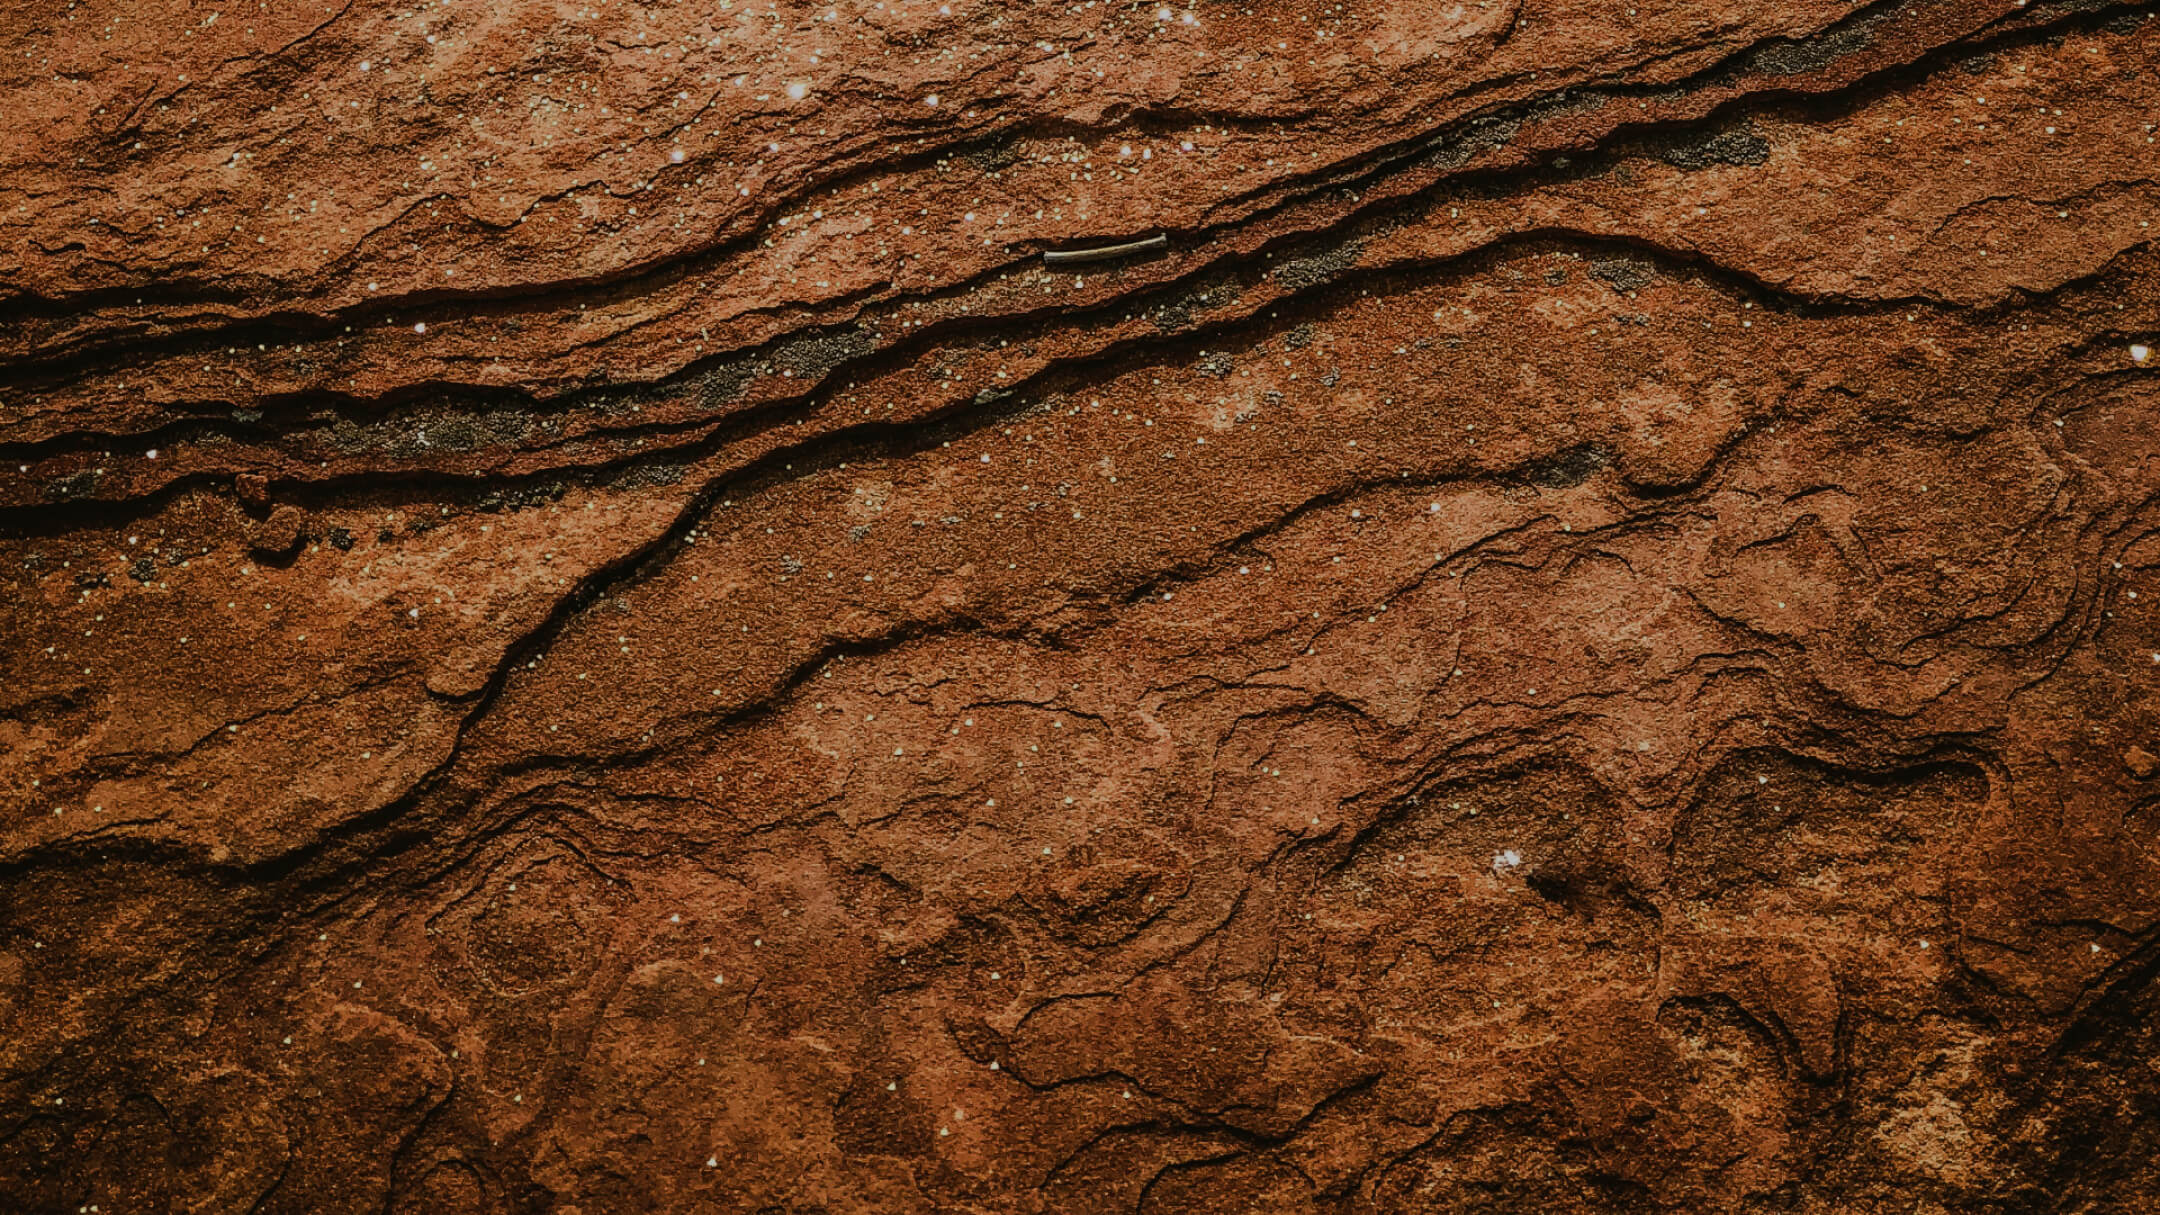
1104	253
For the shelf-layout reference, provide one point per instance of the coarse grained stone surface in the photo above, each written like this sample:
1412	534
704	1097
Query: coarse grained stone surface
586	626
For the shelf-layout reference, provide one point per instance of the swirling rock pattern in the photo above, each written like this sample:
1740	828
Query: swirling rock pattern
590	628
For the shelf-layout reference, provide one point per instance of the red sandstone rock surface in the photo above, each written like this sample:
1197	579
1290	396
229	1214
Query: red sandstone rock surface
588	628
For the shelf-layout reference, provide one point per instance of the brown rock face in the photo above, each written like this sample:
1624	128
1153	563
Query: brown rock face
590	627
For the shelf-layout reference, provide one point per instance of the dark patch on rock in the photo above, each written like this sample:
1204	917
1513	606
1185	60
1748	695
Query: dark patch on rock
647	476
1732	147
815	357
421	430
346	435
1299	273
1622	274
1800	58
454	433
522	497
991	156
1788	57
1483	134
1171	317
1566	469
721	384
73	486
1179	313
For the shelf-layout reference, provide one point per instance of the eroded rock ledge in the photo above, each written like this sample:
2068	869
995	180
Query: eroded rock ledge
588	628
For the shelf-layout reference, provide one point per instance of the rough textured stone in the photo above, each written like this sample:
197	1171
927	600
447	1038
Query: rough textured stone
587	628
